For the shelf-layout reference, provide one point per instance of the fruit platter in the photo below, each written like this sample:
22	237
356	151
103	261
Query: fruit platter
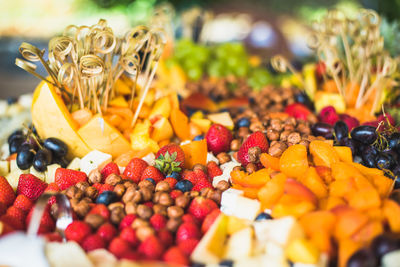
143	150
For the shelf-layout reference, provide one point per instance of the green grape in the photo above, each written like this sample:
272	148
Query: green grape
215	69
233	62
195	73
238	49
241	70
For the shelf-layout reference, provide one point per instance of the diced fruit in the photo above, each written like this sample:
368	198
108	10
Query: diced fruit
295	188
195	153
162	130
303	251
161	107
349	221
240	244
294	162
272	191
315	183
323	153
269	161
391	211
256	179
222	118
344	153
180	124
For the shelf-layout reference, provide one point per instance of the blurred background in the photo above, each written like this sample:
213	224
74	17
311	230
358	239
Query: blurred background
266	27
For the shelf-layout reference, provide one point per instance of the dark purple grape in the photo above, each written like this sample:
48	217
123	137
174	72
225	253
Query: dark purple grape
15	144
350	143
394	141
341	130
42	158
25	159
383	244
322	129
63	162
368	155
58	147
384	161
15	134
365	134
303	98
30	141
362	258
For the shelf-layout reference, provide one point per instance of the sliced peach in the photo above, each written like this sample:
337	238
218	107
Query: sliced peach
312	180
391	211
323	154
296	209
256	179
272	191
364	199
294	162
295	188
320	220
325	173
342	171
349	221
383	184
368	232
341	188
375	214
180	123
269	161
124	159
367	171
195	153
250	192
331	202
346	248
323	241
344	153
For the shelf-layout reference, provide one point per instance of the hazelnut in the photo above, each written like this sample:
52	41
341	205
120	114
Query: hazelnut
284	135
305	143
165	199
130	208
277	149
222	185
74	192
147	193
256	126
138	222
91	192
119	189
175	212
115	205
94	176
243	132
82	208
156	197
251	167
223	158
144	232
276	125
235	144
182	201
82	185
194	194
129	183
144	211
113	179
117	214
74	202
216	196
160	209
94	220
254	154
173	224
146	183
205	192
288	127
87	200
238	168
200	166
273	135
294	138
129	194
163	186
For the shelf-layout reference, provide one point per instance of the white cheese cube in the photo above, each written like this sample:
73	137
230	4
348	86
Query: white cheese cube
66	254
211	157
150	159
13	177
51	172
391	259
233	203
93	160
13	165
230	196
75	164
240	244
40	175
4	167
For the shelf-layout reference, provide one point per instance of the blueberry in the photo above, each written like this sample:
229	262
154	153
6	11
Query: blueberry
198	137
11	100
106	198
175	175
151	180
243	122
226	263
184	185
263	216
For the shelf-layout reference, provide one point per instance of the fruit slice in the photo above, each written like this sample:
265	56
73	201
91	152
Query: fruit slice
391	211
294	162
295	188
52	118
180	124
270	193
240	244
269	161
222	118
323	153
314	183
100	135
344	153
256	179
162	130
195	153
303	251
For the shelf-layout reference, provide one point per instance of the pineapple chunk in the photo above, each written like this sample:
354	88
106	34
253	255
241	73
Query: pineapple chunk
303	251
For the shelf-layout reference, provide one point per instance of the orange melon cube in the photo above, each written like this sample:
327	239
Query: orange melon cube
272	191
368	232
323	154
349	221
364	199
269	161
312	180
195	153
391	211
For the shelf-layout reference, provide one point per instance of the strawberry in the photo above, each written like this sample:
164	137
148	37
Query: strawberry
200	174
218	139
188	246
110	168
256	139
213	169
3	208
5	228
171	181
53	237
151	248
202	183
16	213
127	221
106	187
320	69
129	235
200	207
30	186
52	187
12	222
97	186
175	193
187	231
23	203
349	120
119	246
165	237
176	257
209	220
158	221
107	231
153	173
298	111
66	178
170	158
134	169
7	195
328	115
93	242
101	210
190	176
131	255
189	218
77	231
47	223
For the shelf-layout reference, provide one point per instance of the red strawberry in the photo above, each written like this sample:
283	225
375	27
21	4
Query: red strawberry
106	187
110	168
77	231
93	242
256	139
176	257
7	195
119	246
131	255
171	181
3	208
97	186
298	111
134	169
30	186
165	237
213	169
127	221
189	218
187	231
66	178
47	223
170	158
200	174
52	187
16	213
188	246
200	207
153	173
12	222
107	231
151	248
202	183
328	115
175	193
349	120
129	235
53	237
218	139
101	210
209	220
158	221
23	203
190	176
